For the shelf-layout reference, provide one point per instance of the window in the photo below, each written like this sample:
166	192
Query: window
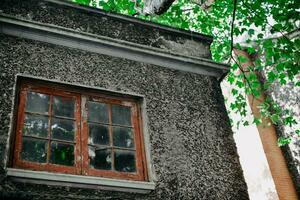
77	132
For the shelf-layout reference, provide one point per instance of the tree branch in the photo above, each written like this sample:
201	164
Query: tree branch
232	25
231	47
157	7
203	4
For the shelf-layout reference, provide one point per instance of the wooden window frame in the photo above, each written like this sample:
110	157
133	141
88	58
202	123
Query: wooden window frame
81	157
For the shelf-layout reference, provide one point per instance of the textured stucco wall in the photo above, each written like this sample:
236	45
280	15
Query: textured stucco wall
110	25
192	147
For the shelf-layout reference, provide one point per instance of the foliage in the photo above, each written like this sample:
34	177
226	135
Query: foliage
263	27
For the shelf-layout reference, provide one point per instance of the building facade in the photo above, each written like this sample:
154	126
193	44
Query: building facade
96	105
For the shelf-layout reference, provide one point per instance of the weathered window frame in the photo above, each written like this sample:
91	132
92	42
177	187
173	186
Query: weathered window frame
53	88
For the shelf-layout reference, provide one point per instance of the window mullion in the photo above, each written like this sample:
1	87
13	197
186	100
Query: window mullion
111	137
84	137
78	135
49	129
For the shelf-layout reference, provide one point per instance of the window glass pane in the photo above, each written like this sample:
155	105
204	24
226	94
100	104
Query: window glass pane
62	154
97	112
37	102
98	134
123	137
62	129
34	150
35	125
100	158
63	106
121	115
125	161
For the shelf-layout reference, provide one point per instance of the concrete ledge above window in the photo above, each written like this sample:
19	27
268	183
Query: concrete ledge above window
49	178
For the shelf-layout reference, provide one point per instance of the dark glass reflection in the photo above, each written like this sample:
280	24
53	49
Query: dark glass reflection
37	102
63	106
123	137
34	150
100	158
121	115
63	129
62	154
125	161
35	125
97	112
98	134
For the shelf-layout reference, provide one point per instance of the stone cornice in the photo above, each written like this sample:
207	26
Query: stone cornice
108	46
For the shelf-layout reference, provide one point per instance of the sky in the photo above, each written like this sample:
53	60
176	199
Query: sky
252	157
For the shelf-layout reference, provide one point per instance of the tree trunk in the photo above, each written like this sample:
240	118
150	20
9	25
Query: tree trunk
283	183
157	7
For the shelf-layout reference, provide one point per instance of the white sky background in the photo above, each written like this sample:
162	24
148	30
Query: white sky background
252	158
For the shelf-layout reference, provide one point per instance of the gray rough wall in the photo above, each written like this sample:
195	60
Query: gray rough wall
110	25
192	147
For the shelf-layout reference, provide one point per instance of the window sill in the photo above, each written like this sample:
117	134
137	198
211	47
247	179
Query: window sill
49	178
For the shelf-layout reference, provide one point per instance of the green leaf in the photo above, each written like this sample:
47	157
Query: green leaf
266	85
260	35
246	123
234	92
230	78
276	27
252	76
268	43
280	66
235	66
272	76
282	78
251	32
275	118
238	46
242	59
250	50
256	93
289	121
240	84
257	121
282	141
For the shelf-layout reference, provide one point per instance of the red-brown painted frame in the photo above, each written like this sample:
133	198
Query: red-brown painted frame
17	162
81	159
139	150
